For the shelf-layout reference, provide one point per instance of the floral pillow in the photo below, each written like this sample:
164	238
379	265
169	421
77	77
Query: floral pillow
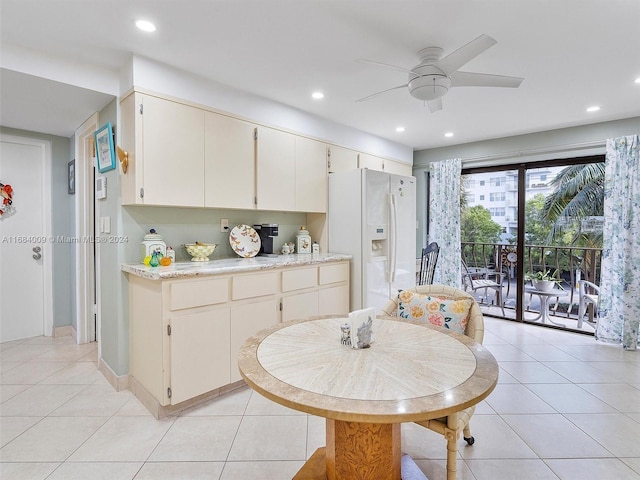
449	313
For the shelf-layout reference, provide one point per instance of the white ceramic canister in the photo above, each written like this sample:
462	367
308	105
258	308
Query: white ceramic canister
153	243
303	240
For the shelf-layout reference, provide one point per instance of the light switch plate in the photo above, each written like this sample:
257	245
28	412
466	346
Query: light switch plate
101	188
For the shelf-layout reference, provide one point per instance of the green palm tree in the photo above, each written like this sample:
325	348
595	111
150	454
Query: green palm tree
578	193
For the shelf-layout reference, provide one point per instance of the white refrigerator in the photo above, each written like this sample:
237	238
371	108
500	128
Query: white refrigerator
372	216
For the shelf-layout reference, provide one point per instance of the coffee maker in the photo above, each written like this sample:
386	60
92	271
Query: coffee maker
267	232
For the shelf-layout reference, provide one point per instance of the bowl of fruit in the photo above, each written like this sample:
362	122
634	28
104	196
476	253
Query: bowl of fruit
200	251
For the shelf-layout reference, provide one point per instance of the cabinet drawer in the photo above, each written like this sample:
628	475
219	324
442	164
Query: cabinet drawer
334	273
198	293
299	279
250	286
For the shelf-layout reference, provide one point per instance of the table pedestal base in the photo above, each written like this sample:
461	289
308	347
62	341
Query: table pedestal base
355	451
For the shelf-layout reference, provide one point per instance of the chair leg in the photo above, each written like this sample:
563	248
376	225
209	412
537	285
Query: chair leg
452	454
466	434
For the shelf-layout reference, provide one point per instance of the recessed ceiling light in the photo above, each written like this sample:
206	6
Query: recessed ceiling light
399	129
448	134
317	95
637	80
595	108
145	26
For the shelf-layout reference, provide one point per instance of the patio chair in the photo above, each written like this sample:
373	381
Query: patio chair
480	279
588	294
428	264
447	426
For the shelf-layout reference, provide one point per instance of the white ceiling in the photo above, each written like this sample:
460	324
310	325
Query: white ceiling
571	53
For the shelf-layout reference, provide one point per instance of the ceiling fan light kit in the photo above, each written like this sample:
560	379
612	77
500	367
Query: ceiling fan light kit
432	78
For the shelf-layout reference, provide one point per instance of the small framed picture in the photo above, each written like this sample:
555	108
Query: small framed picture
71	177
105	151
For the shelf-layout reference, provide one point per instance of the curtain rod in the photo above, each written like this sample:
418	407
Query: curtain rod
536	151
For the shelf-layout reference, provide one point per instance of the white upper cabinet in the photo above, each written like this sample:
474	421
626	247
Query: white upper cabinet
342	159
168	152
275	169
311	175
229	167
398	168
371	162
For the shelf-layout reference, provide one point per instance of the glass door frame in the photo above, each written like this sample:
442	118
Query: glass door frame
520	240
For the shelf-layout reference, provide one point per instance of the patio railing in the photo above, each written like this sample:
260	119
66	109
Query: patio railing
570	264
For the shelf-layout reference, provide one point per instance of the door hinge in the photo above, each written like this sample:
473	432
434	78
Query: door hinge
95	309
142	193
255	133
141	109
280	305
169	392
255	200
168	329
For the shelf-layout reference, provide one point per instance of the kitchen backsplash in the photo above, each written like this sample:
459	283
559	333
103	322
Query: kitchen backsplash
188	225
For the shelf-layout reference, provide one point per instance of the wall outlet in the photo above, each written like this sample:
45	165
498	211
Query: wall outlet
224	225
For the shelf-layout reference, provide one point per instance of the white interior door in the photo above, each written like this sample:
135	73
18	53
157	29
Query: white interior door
25	243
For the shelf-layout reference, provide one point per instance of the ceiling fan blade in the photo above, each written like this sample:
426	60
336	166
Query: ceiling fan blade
469	79
464	54
435	105
386	65
380	93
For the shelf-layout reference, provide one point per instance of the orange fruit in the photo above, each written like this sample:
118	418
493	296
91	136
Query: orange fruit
164	261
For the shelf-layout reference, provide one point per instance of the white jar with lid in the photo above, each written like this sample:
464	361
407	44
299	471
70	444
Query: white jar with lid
153	243
303	240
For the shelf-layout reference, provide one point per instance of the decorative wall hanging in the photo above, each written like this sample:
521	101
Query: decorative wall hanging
71	177
105	150
6	194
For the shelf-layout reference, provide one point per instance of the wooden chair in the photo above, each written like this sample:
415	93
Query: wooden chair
428	264
451	426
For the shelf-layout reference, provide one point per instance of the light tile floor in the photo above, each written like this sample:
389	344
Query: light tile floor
566	408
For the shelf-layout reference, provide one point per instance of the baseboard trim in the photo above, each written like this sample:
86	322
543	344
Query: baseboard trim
64	331
118	382
161	411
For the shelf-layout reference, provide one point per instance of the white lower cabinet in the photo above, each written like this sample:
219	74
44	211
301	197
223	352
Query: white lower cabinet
185	333
200	353
247	320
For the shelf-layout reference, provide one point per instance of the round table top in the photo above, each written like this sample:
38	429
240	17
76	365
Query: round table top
554	292
411	372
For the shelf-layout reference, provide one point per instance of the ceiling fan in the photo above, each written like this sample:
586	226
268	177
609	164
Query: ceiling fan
431	79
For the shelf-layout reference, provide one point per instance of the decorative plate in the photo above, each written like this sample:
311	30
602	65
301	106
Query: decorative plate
244	240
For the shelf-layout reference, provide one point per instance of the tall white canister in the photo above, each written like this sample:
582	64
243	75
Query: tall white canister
303	240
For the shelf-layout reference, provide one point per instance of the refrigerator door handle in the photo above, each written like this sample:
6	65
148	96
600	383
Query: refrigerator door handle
393	238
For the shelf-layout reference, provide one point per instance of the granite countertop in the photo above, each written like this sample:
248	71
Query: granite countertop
229	265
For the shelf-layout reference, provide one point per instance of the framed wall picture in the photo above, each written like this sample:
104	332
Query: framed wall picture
105	150
71	177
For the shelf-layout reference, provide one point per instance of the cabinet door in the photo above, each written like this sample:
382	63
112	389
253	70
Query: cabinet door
275	175
342	159
371	162
398	168
200	353
301	306
334	300
311	175
229	165
247	320
173	149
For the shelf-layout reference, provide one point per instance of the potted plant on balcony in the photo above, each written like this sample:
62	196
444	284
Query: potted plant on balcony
543	280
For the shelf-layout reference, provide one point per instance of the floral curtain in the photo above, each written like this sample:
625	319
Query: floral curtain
619	307
444	219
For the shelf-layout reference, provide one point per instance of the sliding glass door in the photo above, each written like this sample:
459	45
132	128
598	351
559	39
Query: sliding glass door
521	225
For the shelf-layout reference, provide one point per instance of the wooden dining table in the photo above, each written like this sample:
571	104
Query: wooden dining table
411	372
